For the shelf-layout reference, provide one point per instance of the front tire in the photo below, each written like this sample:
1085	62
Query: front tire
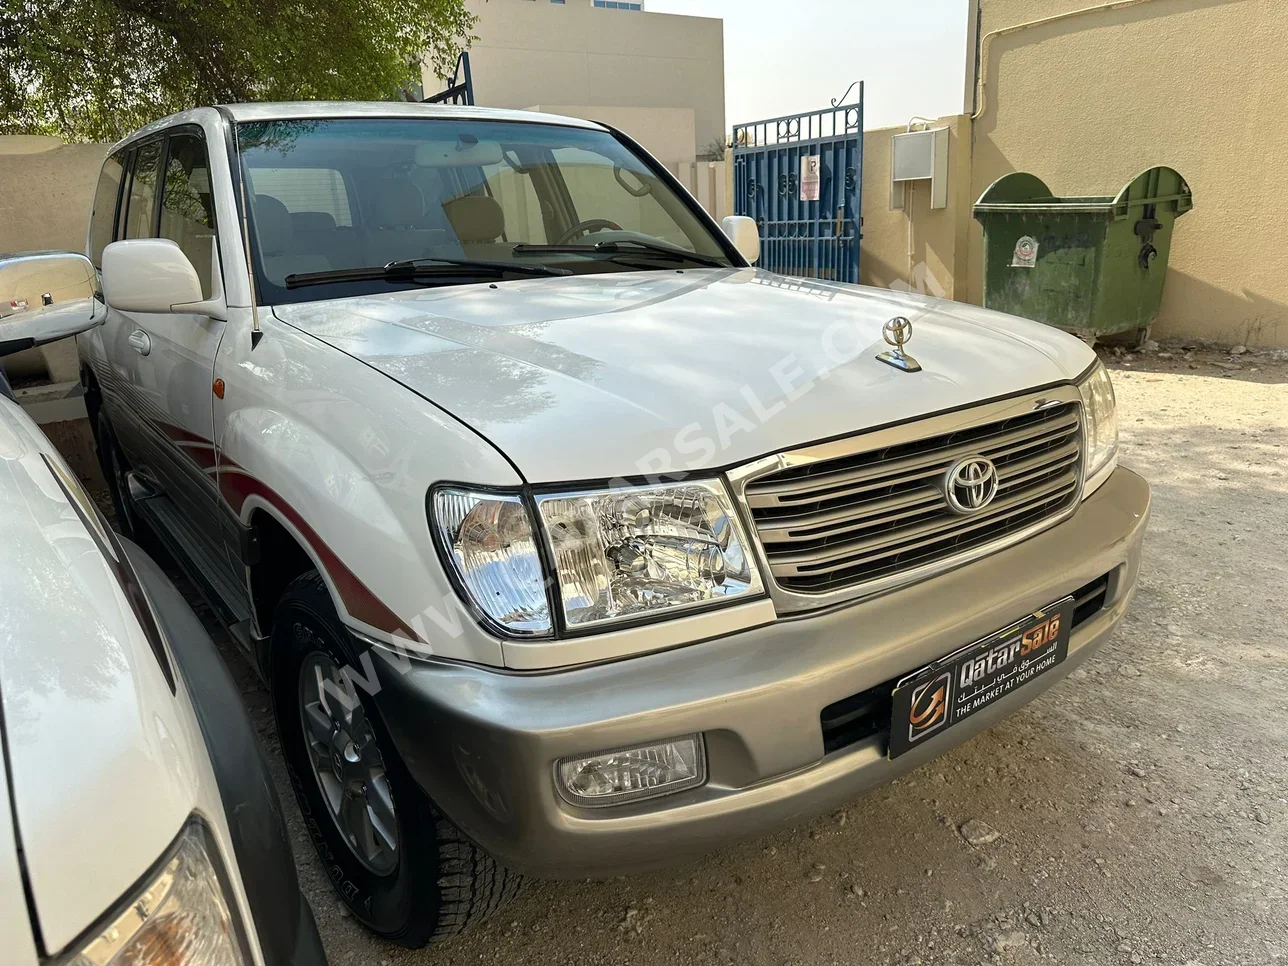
403	870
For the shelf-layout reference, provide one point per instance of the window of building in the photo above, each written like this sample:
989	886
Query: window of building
618	5
187	209
140	216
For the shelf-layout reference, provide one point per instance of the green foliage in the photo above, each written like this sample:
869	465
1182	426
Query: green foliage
97	69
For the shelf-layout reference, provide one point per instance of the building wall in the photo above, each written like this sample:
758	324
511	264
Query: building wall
536	52
1088	102
933	258
46	190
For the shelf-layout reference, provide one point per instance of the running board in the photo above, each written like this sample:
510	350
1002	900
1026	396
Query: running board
213	579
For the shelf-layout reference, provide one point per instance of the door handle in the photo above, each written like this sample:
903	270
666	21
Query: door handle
140	341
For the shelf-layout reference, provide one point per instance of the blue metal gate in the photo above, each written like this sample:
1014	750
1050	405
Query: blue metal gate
801	178
460	86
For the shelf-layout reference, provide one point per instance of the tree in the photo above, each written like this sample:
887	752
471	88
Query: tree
714	151
97	69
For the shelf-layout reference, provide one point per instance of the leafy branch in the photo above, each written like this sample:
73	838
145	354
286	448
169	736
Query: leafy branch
97	69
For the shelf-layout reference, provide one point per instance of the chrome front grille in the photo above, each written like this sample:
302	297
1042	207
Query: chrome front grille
876	513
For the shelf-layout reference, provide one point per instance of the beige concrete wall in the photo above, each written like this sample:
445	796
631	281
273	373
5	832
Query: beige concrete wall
535	52
936	263
46	190
1200	85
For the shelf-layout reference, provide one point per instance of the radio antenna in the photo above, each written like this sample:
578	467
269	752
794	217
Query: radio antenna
256	333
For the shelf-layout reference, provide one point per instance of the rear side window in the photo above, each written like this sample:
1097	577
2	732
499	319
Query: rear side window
187	209
305	189
103	220
140	215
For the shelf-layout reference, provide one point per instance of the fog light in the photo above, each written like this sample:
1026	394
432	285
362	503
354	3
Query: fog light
629	774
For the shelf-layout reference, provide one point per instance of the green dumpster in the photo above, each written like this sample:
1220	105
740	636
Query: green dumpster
1092	266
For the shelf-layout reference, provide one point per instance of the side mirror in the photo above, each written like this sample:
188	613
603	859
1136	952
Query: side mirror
149	275
44	297
744	234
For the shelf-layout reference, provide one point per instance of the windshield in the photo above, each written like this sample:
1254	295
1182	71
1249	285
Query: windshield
333	195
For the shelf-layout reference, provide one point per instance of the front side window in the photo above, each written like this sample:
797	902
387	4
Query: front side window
187	208
141	213
102	222
334	202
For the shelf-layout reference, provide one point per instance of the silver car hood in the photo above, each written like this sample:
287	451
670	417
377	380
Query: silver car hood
599	376
98	766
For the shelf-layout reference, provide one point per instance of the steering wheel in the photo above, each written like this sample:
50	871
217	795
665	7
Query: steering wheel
586	227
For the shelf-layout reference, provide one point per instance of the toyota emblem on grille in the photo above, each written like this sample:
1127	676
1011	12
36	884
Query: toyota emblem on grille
970	484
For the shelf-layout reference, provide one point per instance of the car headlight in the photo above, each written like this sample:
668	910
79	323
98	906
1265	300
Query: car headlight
618	554
489	542
633	552
1100	419
181	916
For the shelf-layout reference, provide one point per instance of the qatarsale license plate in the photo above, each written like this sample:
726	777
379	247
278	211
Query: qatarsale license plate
939	696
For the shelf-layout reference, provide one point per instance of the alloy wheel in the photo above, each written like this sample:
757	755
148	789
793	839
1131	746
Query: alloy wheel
347	763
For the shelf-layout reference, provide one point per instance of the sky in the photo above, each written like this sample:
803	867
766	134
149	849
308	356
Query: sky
790	56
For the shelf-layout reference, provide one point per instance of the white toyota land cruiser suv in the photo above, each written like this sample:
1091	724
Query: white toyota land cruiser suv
570	543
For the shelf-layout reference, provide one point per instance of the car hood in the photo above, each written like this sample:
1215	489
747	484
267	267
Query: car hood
599	376
16	937
100	772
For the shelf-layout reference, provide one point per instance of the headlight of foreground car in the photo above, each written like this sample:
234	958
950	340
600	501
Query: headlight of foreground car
619	554
181	917
1100	413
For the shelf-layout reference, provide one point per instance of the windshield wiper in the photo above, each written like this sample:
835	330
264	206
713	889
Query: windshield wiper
628	246
418	265
414	268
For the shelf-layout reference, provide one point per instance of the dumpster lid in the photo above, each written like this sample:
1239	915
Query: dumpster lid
1022	192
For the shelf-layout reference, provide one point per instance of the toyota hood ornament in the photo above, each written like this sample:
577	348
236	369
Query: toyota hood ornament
896	333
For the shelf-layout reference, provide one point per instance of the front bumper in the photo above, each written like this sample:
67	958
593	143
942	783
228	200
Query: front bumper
483	743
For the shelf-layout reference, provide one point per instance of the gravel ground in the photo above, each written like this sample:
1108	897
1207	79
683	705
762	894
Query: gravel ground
1136	813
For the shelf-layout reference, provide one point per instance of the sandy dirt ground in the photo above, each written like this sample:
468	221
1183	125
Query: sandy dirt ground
1136	813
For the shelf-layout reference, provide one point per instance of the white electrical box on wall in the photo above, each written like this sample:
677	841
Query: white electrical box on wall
919	156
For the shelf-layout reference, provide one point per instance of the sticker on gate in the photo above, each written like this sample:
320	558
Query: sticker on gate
811	177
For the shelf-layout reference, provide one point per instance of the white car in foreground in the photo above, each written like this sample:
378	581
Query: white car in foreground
570	543
139	824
